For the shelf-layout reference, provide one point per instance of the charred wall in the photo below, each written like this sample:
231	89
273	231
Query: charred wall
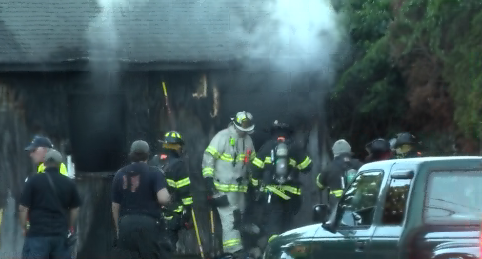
67	106
96	117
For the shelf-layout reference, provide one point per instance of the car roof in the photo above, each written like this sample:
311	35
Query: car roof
415	161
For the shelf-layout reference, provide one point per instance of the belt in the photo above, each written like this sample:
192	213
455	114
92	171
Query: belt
140	215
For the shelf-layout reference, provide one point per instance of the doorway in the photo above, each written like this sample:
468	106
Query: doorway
97	131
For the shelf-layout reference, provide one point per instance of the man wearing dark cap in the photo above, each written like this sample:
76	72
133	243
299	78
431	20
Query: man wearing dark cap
51	201
38	148
138	193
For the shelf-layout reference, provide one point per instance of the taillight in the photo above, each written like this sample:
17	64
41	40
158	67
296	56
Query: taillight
480	244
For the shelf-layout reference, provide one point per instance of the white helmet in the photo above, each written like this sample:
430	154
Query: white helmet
243	121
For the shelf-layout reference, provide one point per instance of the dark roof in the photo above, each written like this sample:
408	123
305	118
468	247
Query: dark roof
38	31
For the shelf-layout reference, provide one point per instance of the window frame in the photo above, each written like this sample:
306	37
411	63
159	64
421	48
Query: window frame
380	189
426	198
384	202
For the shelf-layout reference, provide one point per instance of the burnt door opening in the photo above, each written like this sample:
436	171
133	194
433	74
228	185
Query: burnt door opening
97	131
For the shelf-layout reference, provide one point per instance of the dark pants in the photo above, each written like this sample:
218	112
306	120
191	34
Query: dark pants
279	214
173	227
142	237
46	247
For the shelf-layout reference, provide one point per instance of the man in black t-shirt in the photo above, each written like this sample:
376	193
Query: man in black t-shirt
52	213
138	193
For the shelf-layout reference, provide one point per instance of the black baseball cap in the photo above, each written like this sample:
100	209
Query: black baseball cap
39	141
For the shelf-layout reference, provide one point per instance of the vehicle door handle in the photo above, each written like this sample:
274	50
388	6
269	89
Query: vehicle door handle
360	245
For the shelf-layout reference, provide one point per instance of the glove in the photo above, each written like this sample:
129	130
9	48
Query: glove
186	219
220	200
214	196
258	193
211	188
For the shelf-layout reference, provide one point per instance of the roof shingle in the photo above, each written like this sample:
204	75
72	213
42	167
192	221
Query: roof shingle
140	31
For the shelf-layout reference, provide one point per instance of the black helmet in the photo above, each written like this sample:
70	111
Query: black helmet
173	137
281	128
378	146
405	138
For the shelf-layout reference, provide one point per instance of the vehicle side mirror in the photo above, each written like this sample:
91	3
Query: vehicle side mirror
320	213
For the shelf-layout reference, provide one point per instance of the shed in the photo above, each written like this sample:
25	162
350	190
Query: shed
90	77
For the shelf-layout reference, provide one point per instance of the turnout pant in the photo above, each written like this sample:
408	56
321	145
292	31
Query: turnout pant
45	247
279	214
142	237
231	237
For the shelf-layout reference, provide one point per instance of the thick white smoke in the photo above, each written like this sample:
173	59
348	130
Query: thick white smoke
102	36
294	36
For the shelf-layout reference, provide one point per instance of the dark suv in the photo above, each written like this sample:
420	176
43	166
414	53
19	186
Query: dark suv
416	208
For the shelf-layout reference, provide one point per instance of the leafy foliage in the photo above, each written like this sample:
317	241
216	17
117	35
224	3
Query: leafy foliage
369	93
442	38
416	67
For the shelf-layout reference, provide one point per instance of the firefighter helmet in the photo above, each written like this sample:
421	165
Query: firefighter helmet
173	137
281	128
378	146
243	121
405	138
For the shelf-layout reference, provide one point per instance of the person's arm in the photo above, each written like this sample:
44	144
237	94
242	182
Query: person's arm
211	154
321	179
160	188
183	182
23	213
74	206
116	200
115	216
25	203
303	160
163	197
259	165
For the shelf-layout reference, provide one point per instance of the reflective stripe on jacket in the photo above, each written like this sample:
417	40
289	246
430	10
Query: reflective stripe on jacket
63	169
225	160
299	162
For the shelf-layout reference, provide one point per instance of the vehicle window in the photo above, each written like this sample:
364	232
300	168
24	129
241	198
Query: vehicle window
396	202
453	197
360	199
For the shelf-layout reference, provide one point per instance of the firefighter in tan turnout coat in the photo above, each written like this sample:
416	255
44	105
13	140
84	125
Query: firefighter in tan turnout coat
225	169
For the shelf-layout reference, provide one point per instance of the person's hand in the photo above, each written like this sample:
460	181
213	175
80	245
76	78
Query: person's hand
220	200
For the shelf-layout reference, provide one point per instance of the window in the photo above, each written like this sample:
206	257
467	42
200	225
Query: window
396	202
360	199
453	197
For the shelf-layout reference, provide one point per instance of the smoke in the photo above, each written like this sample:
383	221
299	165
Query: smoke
295	37
102	34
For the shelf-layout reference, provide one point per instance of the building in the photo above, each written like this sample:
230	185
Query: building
91	79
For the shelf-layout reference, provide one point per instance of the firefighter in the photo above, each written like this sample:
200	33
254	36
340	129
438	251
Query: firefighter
339	172
279	180
378	150
406	145
225	170
38	148
176	171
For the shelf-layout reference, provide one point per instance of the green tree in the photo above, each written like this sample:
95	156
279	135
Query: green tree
369	97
